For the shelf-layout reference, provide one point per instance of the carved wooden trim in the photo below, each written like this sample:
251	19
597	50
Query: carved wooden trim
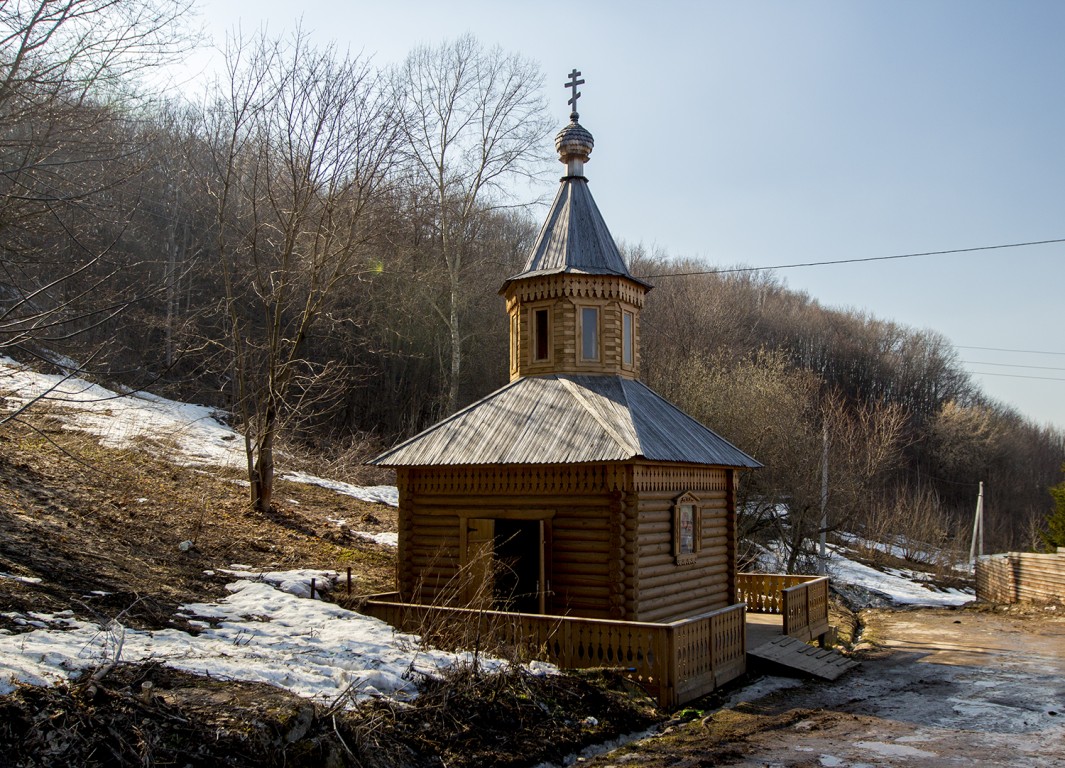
612	287
671	477
527	479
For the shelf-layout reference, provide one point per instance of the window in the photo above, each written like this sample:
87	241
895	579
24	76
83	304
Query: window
541	335
626	339
589	333
514	345
687	529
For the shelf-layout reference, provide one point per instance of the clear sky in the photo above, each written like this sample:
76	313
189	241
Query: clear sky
769	133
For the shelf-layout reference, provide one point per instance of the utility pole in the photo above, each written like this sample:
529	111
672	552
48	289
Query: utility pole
976	549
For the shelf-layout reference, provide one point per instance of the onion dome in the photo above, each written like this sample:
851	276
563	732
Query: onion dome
574	144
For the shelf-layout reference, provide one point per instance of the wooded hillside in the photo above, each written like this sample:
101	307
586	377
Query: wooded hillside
317	245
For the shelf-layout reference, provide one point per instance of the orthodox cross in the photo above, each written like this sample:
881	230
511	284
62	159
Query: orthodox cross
573	83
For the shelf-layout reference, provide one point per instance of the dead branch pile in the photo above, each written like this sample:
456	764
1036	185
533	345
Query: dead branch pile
149	715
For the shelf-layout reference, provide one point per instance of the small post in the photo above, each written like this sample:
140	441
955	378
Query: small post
312	588
349	579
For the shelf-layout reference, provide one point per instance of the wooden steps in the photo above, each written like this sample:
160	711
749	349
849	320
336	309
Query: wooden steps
791	655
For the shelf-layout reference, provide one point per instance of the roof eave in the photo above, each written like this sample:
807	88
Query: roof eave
572	271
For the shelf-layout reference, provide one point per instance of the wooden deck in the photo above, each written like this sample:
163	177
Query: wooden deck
675	662
762	628
793	611
800	601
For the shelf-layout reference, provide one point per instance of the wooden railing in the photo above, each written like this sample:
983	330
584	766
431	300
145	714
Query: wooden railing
802	600
763	592
708	651
806	609
674	662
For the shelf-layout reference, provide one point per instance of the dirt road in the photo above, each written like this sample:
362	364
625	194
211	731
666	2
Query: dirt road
936	688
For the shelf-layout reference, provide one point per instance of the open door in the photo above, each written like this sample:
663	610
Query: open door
505	565
519	557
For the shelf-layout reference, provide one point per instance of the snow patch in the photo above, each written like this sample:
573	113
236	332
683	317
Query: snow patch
384	538
195	434
901	587
893	750
259	633
382	494
23	579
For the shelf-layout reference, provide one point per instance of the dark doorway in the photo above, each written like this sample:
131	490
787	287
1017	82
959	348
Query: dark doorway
517	563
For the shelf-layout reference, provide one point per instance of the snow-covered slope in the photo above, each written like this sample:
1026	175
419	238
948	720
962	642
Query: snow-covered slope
183	433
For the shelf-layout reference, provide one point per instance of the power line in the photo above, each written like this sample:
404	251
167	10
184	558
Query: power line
1003	349
734	270
1011	365
1016	376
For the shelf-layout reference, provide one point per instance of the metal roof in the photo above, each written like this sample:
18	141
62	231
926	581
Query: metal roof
574	238
562	419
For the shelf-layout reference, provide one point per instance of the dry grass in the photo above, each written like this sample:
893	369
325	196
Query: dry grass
102	528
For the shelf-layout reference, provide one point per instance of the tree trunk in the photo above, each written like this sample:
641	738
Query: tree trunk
262	481
456	348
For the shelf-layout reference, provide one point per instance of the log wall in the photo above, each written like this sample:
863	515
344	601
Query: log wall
584	558
660	588
581	507
610	551
564	295
1021	577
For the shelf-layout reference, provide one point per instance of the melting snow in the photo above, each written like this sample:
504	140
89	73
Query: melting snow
267	630
23	579
900	586
121	420
262	632
384	494
384	538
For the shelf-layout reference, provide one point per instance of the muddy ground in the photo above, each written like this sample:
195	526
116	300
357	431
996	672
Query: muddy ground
937	687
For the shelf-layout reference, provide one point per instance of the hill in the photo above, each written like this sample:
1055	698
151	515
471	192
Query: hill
149	608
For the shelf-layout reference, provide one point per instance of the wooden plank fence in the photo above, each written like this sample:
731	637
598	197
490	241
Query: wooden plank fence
1021	577
675	662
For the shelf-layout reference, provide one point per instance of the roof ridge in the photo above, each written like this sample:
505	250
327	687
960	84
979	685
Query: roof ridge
574	390
686	415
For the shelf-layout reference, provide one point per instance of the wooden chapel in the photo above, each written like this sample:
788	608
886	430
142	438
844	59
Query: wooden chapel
574	489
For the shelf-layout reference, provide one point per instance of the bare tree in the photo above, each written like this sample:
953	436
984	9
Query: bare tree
302	139
68	72
474	123
779	415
